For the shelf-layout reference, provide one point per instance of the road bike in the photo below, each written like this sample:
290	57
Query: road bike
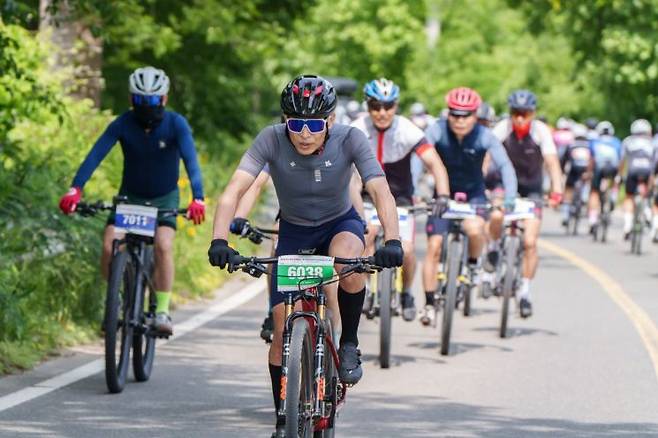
311	391
576	207
607	201
130	300
641	216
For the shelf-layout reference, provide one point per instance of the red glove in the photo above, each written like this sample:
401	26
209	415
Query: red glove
70	201
197	211
555	199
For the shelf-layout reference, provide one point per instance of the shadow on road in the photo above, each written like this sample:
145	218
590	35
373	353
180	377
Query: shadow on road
513	332
392	415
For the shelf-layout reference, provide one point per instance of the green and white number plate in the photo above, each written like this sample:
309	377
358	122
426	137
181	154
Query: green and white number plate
295	272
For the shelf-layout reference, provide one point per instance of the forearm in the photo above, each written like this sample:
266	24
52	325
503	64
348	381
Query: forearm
228	203
249	198
553	165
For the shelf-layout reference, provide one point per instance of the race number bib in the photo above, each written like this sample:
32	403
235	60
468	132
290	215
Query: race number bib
295	272
459	210
523	209
405	221
136	219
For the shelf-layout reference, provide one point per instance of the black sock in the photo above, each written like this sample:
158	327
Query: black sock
472	261
275	375
429	298
350	306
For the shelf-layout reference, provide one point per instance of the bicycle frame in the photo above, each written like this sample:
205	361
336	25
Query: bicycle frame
314	305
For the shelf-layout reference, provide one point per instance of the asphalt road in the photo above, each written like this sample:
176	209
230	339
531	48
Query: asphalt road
578	368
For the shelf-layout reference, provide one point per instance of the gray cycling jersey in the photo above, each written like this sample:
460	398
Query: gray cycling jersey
638	153
312	189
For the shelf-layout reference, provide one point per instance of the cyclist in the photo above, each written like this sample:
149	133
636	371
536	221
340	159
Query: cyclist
486	115
591	123
638	158
530	146
462	144
419	116
395	139
577	164
562	136
310	160
606	152
152	141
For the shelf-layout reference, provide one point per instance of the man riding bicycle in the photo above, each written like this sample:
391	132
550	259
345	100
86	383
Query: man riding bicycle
153	141
395	139
577	163
638	158
606	152
310	161
462	144
529	145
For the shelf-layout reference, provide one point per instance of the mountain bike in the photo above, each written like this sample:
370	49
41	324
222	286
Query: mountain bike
509	270
130	301
458	282
311	392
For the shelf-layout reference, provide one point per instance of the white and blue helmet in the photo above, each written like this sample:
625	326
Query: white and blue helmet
382	90
149	81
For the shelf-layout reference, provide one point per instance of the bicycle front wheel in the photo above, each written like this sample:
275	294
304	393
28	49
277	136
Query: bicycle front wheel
299	383
143	344
385	282
118	332
454	261
511	248
331	384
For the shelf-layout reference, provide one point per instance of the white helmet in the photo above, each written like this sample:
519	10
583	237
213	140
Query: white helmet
563	123
579	130
605	128
149	81
417	109
641	127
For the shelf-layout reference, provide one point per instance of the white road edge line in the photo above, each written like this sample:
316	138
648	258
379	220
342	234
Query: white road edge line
89	369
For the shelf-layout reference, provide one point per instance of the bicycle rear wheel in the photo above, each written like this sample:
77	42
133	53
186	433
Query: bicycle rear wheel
299	382
385	283
636	232
144	344
454	261
511	248
118	305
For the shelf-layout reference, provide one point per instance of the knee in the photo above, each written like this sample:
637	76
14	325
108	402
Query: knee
164	247
530	245
352	284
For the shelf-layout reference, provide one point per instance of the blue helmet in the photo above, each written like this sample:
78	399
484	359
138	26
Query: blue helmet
524	100
382	90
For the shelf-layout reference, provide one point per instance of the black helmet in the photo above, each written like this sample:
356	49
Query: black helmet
308	96
591	122
522	100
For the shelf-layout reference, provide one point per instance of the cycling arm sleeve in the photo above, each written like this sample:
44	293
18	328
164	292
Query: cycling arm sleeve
98	152
188	153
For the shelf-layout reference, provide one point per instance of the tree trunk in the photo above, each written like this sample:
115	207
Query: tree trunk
78	49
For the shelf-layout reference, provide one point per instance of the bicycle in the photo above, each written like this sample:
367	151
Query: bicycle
458	283
510	270
385	288
576	207
600	231
311	392
640	216
130	301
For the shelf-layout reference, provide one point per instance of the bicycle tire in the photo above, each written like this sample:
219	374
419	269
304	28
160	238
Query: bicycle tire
299	382
454	259
117	301
636	232
385	283
143	344
331	379
511	248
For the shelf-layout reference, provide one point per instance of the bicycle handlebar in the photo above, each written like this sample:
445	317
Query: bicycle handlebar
92	208
255	266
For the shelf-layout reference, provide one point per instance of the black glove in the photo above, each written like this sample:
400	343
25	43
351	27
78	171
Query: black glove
239	226
440	205
222	255
390	255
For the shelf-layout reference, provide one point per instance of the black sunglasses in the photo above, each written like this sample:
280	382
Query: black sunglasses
375	105
460	114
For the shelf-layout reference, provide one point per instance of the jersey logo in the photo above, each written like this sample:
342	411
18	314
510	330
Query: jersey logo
293	164
327	163
162	144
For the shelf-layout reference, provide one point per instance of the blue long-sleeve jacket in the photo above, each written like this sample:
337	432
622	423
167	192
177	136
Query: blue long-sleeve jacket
150	160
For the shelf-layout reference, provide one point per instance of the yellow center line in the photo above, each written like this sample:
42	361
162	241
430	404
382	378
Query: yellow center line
643	324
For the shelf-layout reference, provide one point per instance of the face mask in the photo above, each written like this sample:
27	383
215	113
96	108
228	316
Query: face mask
521	131
149	116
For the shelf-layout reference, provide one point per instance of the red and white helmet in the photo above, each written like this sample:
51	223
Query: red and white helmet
463	99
